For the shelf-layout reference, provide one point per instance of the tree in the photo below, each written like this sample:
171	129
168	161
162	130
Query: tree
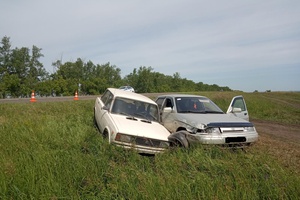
161	82
5	63
21	72
107	76
176	82
36	68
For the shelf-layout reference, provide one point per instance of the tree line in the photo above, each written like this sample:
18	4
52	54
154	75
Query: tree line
21	72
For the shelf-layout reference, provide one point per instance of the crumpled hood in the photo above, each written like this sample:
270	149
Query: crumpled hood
139	128
195	118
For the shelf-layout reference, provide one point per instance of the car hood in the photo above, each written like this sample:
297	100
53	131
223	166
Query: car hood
140	127
194	119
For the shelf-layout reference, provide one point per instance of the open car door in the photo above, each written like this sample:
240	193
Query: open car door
238	108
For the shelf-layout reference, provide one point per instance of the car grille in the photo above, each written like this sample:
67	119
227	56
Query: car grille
234	129
147	142
141	141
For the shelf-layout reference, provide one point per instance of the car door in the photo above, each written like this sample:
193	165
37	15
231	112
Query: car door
167	114
102	109
159	101
238	108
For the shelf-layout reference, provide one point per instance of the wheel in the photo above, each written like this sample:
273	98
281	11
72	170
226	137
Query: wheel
176	143
95	123
105	134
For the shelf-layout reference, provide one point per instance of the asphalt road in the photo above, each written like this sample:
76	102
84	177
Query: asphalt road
46	99
66	98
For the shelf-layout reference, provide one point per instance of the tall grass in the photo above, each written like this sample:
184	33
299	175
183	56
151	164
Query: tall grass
53	151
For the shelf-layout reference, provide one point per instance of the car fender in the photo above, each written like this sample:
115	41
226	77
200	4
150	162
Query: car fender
179	138
188	125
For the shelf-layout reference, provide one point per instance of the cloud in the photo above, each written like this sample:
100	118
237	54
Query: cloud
203	41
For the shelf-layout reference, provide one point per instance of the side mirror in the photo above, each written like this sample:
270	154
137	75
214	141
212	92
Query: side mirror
167	110
104	108
236	110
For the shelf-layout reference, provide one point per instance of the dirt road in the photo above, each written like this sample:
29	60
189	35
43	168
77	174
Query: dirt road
281	141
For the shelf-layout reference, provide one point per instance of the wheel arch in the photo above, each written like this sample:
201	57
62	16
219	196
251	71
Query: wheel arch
106	134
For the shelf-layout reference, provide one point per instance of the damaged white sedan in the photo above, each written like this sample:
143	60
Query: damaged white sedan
193	119
130	120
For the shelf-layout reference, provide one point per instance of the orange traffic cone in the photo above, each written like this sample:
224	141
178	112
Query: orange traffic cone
32	99
76	96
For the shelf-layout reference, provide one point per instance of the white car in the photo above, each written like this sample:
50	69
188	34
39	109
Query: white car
130	120
193	119
127	88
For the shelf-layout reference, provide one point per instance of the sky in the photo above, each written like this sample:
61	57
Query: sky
246	45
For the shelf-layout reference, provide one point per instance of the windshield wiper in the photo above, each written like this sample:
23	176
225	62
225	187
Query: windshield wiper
192	111
128	116
146	120
131	118
216	112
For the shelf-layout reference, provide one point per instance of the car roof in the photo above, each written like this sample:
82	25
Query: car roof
180	95
123	86
130	95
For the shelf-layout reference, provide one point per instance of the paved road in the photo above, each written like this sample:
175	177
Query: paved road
46	99
67	98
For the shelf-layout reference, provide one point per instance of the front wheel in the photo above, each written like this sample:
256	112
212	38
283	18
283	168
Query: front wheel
105	134
178	139
175	144
96	124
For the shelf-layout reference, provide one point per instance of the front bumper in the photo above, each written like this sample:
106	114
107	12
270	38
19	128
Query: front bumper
139	148
224	139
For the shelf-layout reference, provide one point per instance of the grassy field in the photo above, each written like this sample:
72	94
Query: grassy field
52	151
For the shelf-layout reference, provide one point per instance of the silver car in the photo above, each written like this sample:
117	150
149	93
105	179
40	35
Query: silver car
193	119
127	88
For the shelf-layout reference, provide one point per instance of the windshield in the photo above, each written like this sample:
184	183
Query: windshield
196	105
132	107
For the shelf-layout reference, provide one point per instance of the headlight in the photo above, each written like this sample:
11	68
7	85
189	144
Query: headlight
249	128
124	138
213	130
164	144
195	127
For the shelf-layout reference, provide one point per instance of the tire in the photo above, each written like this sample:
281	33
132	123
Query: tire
105	134
175	144
95	122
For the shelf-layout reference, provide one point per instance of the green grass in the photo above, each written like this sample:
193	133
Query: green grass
282	107
52	151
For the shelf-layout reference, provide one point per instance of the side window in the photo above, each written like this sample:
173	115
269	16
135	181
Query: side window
239	103
152	110
108	101
159	102
107	98
169	103
104	97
